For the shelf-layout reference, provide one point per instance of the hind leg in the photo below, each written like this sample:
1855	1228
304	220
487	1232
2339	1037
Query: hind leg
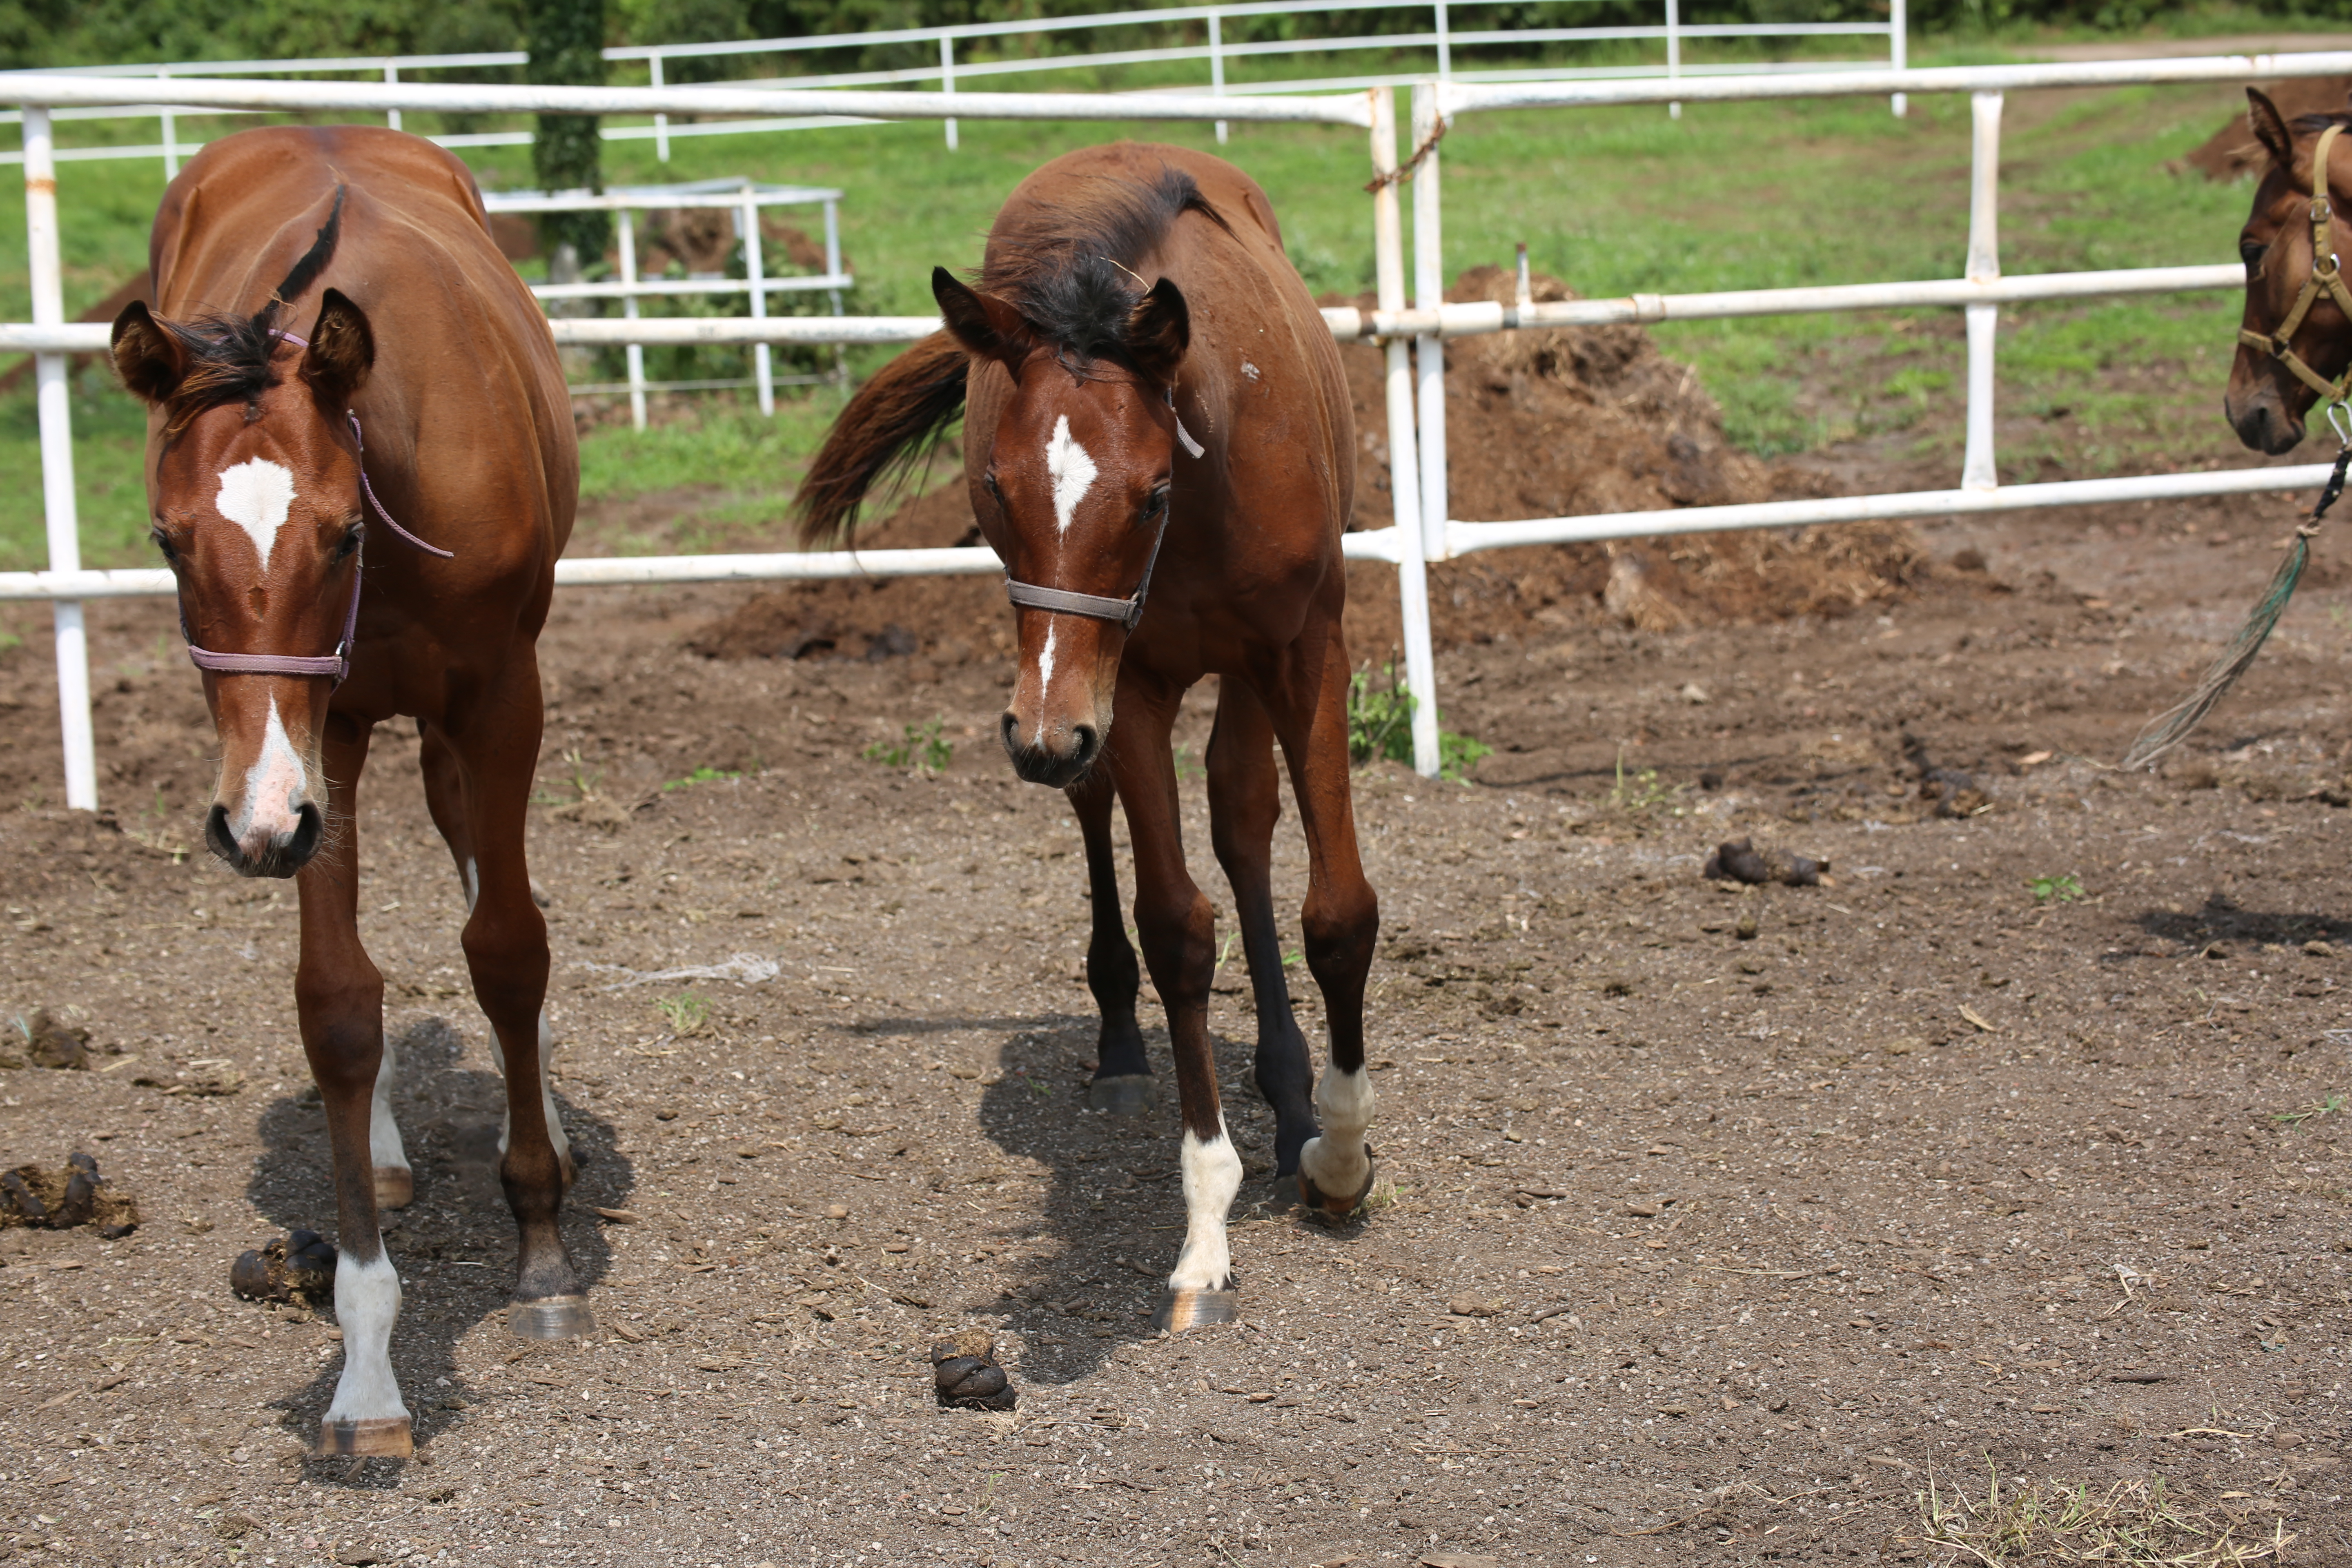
1244	804
1122	1083
445	797
495	748
1307	696
339	993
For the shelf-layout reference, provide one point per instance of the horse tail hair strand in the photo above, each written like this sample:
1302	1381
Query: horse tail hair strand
2172	726
895	421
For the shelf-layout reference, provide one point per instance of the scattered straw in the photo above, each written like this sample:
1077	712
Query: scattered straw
2132	1522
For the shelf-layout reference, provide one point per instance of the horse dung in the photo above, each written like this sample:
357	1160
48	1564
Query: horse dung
966	1372
62	1199
296	1266
1741	861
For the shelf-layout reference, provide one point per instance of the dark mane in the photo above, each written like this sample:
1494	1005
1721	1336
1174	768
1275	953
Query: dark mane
2316	123
1070	268
228	355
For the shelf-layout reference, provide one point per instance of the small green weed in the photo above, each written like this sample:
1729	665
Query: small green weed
582	779
919	746
2332	1106
703	775
686	1012
2062	889
1380	727
1642	793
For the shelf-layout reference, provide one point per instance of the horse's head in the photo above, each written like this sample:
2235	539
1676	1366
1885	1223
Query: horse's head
1073	492
2295	341
255	492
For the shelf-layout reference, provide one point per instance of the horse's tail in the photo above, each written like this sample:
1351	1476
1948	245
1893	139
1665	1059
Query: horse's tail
895	420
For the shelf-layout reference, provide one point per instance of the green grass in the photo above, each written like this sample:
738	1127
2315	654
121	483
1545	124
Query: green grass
1728	196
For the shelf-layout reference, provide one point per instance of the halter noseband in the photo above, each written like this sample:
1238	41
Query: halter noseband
1096	607
2326	274
337	664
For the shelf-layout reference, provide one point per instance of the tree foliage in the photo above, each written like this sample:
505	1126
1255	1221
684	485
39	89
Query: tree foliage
567	43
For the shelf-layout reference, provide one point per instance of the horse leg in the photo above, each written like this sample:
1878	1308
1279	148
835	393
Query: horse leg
1244	803
1122	1083
445	797
1309	699
506	953
1179	931
338	995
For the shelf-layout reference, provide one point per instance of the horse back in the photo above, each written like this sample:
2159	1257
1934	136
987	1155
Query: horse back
468	425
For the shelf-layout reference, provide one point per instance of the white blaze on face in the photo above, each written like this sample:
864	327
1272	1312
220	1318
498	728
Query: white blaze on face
276	784
1212	1174
1045	661
1072	470
256	495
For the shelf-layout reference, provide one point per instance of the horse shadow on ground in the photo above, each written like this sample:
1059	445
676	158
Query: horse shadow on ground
1112	1216
2223	919
455	1244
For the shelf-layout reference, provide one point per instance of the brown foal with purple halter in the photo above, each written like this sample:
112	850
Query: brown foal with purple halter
311	283
1158	443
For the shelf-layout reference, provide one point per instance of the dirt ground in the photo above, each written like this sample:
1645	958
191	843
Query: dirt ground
1723	1222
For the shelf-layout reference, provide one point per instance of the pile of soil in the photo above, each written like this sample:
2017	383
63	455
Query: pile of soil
1542	423
2231	152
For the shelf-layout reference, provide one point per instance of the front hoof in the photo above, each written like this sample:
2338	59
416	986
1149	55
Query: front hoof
1130	1094
395	1186
369	1437
553	1317
1337	1207
1193	1307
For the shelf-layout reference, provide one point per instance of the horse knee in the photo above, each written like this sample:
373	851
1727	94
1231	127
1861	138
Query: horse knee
1180	939
1340	930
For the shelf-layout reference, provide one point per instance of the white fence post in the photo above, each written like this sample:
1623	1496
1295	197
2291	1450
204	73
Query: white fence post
1429	350
1899	49
661	121
762	357
1673	51
52	394
947	80
1404	469
1217	65
391	116
627	225
833	269
171	141
1445	45
1976	468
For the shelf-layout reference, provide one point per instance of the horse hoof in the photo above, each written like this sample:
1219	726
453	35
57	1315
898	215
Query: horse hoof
1314	1197
555	1318
371	1437
1130	1094
1193	1307
395	1186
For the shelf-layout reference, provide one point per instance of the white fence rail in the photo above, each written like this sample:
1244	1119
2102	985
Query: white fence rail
1669	33
1423	530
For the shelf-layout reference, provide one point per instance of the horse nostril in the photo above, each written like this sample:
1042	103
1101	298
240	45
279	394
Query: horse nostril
1087	742
309	823
1008	729
216	835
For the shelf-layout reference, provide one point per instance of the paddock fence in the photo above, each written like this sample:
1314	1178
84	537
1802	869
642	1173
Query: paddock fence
1412	335
1670	34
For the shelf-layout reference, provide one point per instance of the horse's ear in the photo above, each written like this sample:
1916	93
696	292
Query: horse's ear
341	351
2270	130
147	356
1160	330
985	325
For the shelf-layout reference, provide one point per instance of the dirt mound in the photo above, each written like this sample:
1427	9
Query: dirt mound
2232	153
1541	423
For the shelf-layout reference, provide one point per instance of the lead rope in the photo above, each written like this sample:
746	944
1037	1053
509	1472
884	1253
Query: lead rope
2172	726
338	664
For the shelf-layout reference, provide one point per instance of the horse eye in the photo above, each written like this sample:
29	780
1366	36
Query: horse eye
2250	251
1155	503
163	543
988	482
352	538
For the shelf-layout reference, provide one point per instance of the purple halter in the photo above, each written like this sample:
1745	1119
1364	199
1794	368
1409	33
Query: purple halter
337	664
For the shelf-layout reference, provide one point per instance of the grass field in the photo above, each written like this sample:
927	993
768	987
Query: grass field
1739	195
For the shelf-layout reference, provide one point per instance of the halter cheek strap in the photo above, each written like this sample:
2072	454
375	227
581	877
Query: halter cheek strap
2326	276
338	664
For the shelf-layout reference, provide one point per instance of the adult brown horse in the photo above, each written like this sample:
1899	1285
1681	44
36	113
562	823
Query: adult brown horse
1132	299
2294	344
321	294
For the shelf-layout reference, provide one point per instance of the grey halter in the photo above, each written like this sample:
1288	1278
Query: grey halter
1094	606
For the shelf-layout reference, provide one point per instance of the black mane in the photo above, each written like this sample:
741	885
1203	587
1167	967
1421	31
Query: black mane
1067	268
229	355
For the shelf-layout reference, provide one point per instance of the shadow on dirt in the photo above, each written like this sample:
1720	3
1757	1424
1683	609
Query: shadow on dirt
455	1245
1113	1211
2223	919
